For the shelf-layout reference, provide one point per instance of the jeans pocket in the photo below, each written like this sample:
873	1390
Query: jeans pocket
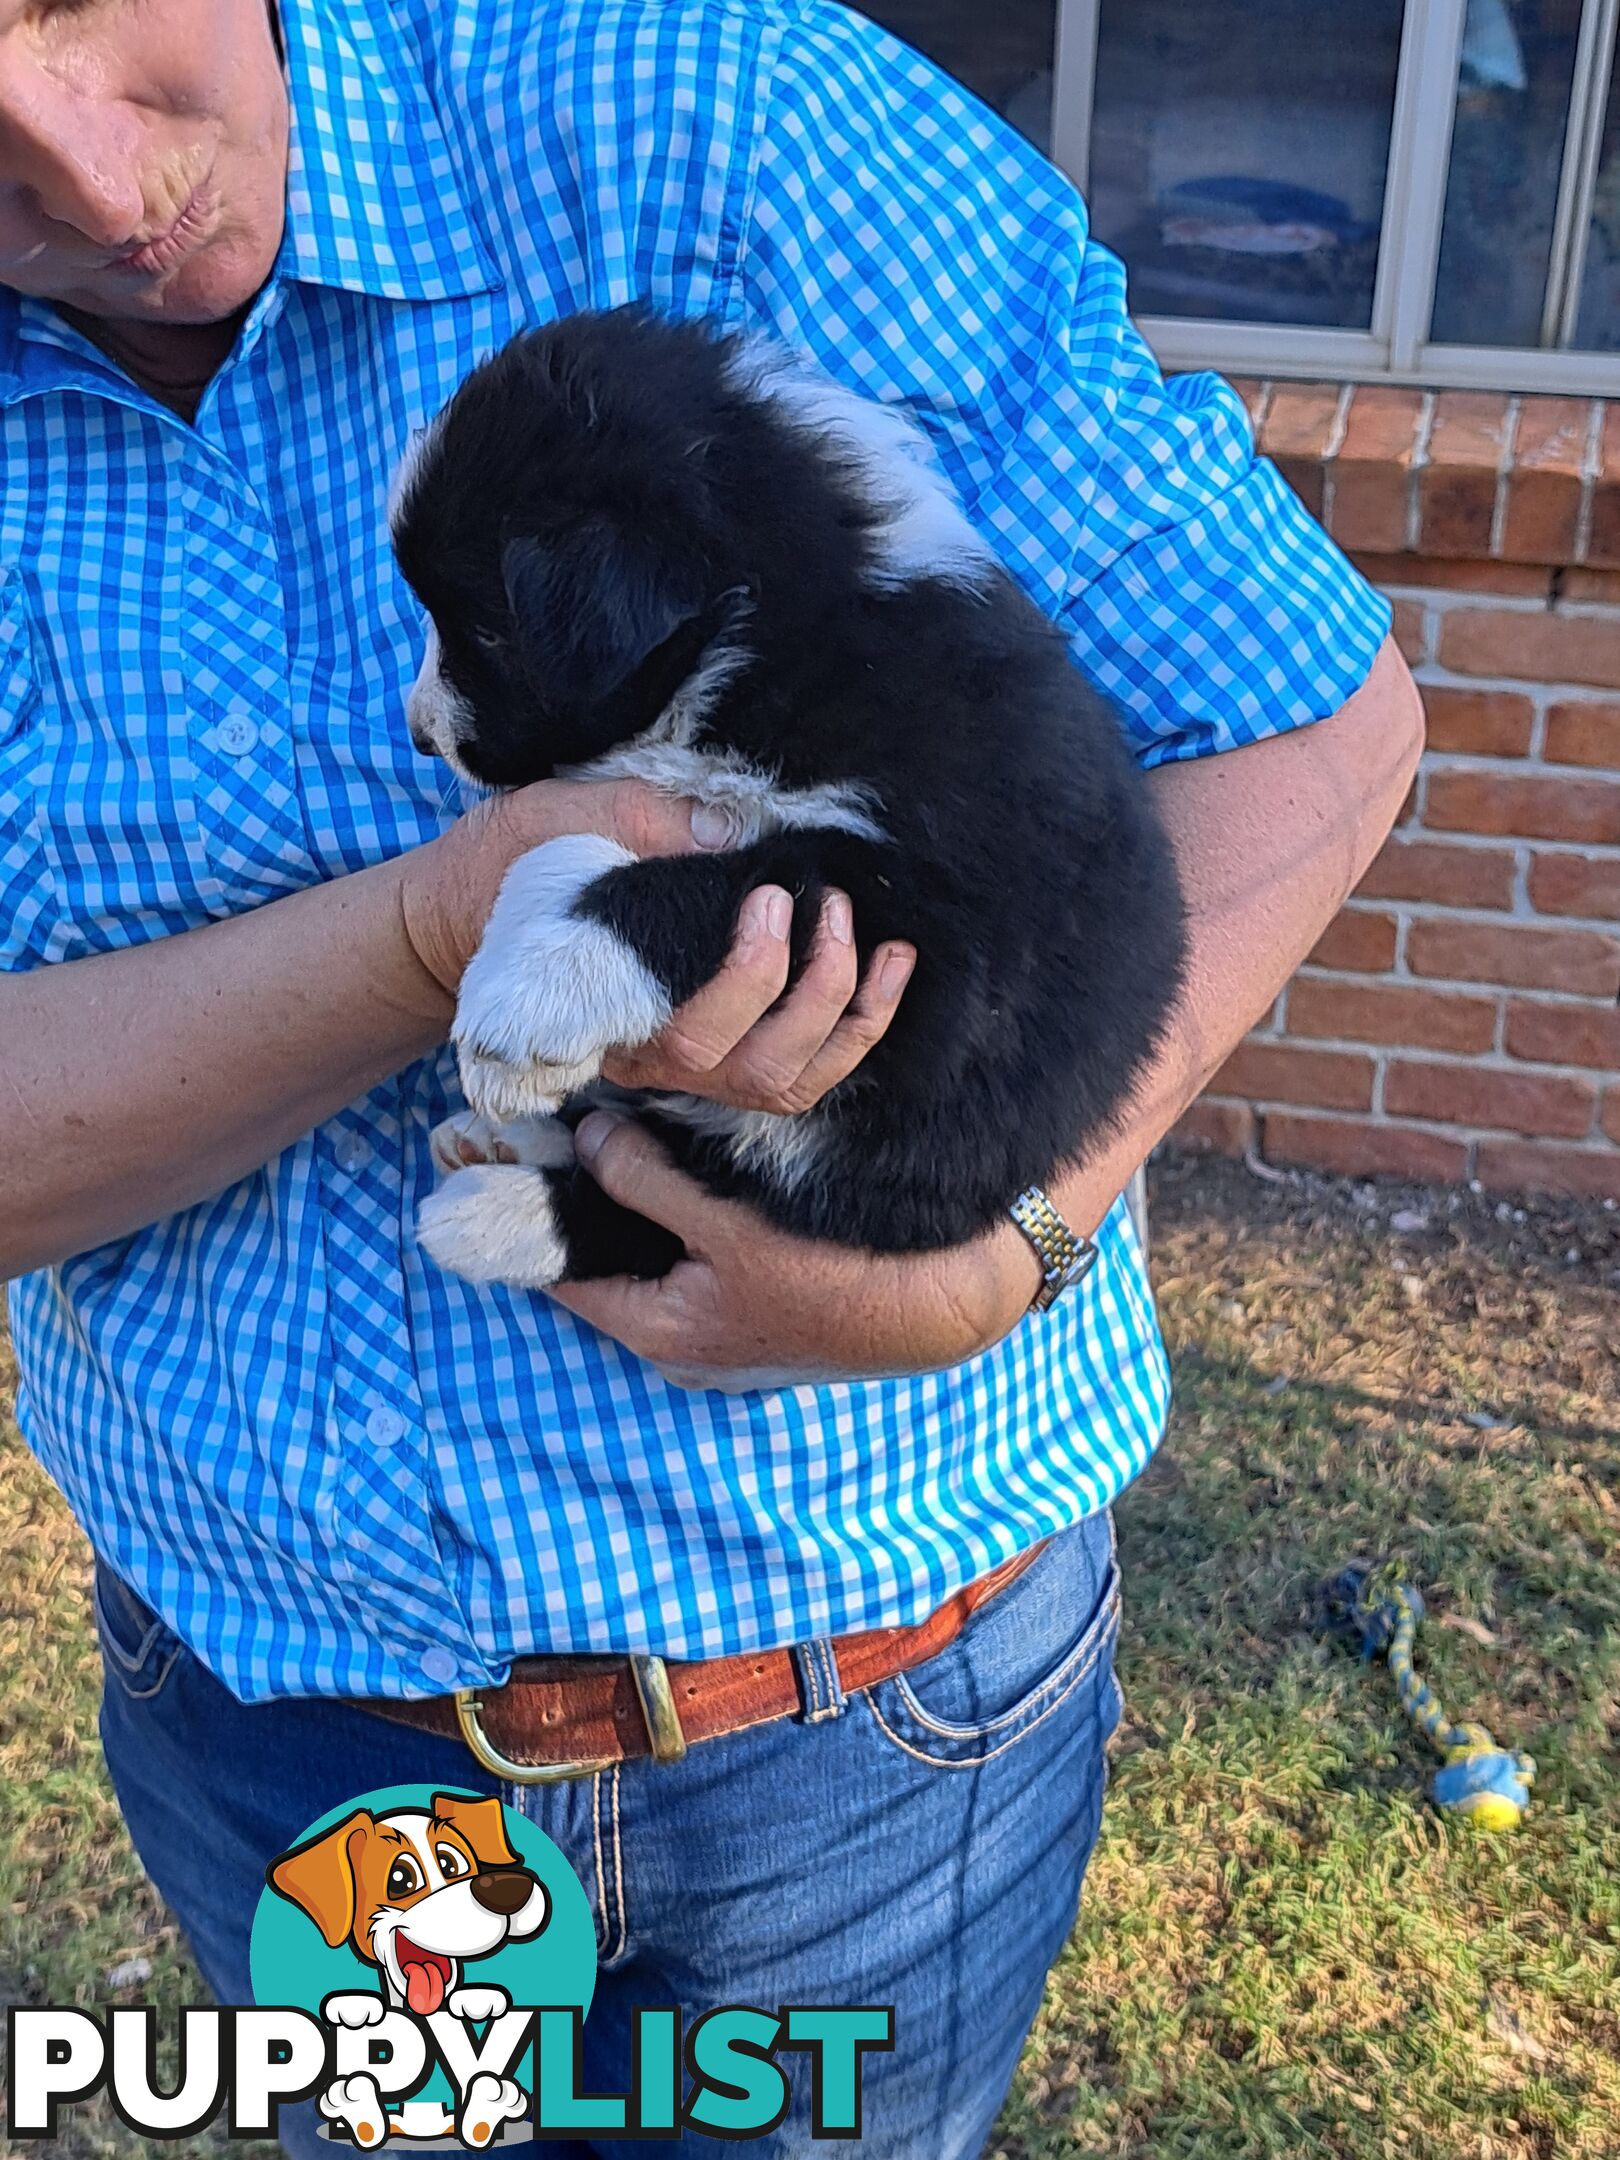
1042	1647
138	1650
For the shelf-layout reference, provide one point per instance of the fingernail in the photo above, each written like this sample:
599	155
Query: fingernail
778	912
895	973
756	913
711	828
592	1133
840	919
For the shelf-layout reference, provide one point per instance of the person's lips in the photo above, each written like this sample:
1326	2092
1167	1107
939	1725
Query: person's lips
168	249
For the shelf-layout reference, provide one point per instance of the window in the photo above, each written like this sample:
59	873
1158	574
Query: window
1408	190
1239	156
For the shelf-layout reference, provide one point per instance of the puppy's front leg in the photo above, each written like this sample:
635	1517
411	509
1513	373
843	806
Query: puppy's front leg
590	949
587	950
551	989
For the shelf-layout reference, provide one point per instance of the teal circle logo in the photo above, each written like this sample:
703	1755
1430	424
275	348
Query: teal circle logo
414	1920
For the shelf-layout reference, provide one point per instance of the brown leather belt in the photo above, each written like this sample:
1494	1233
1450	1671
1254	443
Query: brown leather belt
566	1717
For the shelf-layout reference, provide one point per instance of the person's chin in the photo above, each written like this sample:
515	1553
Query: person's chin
218	281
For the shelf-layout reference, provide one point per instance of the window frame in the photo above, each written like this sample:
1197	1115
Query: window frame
1397	347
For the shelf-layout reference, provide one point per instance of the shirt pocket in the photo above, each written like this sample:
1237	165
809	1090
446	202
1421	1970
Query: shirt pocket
163	769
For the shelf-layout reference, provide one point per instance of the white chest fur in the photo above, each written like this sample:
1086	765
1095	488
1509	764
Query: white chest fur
667	755
755	804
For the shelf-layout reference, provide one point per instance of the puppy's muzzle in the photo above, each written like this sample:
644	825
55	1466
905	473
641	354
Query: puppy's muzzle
502	1890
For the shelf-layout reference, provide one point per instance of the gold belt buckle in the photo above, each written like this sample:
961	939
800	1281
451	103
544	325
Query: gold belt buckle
653	1691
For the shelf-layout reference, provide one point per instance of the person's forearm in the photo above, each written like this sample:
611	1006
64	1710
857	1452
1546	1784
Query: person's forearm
1270	840
139	1082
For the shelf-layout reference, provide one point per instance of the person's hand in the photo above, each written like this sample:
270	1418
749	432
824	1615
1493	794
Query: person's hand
449	885
752	1307
739	1040
735	1043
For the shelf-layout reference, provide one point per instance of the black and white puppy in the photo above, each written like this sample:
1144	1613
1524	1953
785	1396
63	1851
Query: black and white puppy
652	549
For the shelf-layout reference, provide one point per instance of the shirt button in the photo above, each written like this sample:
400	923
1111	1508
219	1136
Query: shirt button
439	1667
237	734
351	1151
385	1426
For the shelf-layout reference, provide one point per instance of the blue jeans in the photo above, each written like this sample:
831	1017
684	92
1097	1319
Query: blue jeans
920	1844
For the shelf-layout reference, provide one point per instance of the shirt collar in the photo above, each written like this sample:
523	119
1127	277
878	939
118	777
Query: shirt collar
374	203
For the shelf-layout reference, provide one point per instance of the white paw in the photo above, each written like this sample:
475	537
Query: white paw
490	2101
506	1091
465	1140
357	2103
548	992
354	2011
478	2004
494	1223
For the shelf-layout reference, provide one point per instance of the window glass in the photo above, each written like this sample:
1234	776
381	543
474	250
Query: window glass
1239	154
1002	52
1513	100
1597	325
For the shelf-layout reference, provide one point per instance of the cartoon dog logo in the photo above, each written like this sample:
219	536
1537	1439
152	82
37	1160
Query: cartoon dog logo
417	1894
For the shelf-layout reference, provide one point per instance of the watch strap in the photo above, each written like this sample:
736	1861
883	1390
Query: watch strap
1065	1256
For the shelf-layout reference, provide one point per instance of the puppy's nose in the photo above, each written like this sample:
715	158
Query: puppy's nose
502	1890
421	734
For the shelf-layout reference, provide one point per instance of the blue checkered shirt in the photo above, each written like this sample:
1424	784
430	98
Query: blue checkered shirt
332	1468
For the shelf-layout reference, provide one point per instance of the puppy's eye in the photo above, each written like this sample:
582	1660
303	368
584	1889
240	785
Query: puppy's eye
404	1877
451	1862
488	640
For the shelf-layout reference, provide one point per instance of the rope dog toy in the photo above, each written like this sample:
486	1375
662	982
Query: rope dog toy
1486	1784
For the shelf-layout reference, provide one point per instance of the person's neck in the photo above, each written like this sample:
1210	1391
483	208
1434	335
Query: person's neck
172	362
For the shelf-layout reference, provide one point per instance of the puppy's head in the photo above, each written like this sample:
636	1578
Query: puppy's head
560	523
416	1892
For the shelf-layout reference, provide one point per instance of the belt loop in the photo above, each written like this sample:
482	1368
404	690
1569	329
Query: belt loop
820	1689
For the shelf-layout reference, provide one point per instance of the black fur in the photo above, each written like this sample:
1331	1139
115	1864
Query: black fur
600	504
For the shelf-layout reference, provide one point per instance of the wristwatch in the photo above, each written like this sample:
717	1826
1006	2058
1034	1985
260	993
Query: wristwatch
1066	1257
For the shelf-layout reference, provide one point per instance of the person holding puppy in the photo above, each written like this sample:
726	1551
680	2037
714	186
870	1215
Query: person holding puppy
338	1497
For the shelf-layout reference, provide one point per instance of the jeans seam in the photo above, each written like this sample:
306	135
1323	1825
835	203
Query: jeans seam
973	1762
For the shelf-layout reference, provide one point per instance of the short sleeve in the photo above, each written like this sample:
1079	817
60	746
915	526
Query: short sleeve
923	252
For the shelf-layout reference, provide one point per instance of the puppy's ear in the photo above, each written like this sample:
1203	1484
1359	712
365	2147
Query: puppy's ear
481	1822
590	609
319	1877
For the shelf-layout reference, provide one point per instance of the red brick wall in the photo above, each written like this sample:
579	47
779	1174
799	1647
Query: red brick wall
1460	1018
